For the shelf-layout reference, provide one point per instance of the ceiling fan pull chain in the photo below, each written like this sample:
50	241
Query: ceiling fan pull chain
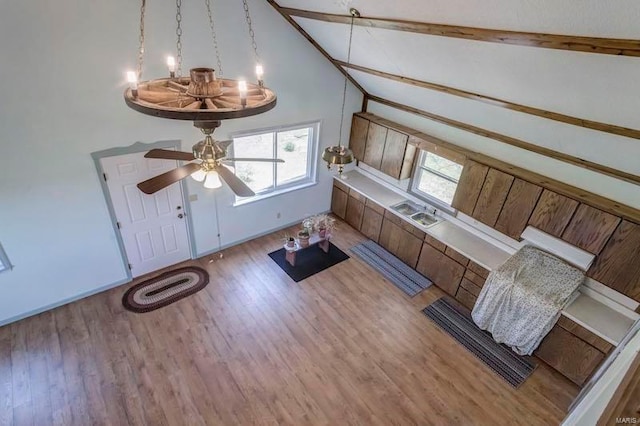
215	38
251	33
141	39
179	39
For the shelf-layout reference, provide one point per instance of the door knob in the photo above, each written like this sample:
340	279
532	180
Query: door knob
179	208
180	216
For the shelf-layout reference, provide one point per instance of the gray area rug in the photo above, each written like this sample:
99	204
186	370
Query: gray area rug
515	369
392	268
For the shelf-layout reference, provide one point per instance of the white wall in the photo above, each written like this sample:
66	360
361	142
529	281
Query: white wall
63	77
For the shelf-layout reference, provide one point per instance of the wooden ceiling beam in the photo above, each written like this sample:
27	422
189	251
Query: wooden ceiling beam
306	35
585	164
580	122
606	46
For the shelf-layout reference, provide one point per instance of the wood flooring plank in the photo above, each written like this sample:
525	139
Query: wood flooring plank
253	347
6	379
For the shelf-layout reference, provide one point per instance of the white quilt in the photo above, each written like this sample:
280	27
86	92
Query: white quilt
522	299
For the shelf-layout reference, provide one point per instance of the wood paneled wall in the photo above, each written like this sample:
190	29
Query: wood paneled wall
509	199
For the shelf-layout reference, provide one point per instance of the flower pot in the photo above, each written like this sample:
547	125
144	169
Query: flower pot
322	232
303	240
291	243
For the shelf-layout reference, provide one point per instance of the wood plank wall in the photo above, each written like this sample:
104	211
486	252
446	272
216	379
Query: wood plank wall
509	198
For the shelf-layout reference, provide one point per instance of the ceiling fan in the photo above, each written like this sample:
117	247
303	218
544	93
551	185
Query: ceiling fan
210	158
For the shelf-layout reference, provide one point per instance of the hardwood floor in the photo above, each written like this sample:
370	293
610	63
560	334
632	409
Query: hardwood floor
341	347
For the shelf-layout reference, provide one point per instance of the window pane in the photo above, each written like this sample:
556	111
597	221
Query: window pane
258	176
437	186
442	165
293	146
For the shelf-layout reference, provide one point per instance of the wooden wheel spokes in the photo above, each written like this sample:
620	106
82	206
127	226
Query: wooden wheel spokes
171	95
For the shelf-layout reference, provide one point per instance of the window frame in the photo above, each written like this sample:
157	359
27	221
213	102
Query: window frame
310	178
5	264
415	181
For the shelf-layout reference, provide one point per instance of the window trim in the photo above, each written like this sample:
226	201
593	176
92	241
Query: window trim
310	179
413	183
5	264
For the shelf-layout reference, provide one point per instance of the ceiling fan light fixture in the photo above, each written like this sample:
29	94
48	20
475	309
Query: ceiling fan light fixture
199	175
212	180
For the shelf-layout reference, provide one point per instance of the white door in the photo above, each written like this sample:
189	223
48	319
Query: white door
153	227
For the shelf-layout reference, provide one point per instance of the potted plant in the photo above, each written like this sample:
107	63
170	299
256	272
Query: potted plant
324	224
289	240
303	237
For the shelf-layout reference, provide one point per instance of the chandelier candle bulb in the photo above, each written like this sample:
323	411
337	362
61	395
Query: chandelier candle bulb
242	88
132	78
171	64
260	74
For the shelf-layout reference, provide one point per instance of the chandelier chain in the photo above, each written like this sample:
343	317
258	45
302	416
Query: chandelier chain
251	33
215	38
179	38
141	39
344	89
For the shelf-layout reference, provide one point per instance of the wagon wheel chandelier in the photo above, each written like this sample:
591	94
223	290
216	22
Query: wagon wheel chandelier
203	97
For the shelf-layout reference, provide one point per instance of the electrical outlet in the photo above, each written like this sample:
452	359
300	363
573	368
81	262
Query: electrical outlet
278	215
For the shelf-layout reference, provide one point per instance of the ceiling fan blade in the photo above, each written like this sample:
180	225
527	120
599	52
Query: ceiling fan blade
236	185
169	155
265	160
159	182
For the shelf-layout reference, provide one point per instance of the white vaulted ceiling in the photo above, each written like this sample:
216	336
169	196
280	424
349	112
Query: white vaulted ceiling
596	87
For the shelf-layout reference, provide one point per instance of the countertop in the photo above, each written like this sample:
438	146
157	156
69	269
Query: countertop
600	318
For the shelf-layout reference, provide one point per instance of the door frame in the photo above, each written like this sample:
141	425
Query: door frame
133	149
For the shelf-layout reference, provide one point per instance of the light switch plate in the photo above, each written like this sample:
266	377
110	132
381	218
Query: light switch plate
193	197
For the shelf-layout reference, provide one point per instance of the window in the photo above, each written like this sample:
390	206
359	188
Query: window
296	145
436	178
4	261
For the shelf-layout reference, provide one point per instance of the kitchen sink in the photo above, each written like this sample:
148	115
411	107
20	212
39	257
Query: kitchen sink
406	208
424	219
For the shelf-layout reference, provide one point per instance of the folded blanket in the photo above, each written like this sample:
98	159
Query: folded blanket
522	299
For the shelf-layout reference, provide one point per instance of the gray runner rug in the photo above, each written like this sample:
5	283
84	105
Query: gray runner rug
393	269
514	368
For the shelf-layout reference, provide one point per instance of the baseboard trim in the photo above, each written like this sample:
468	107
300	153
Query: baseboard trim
63	302
253	237
100	289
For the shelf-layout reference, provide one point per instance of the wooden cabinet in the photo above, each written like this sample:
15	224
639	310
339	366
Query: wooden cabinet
618	264
435	243
517	208
400	241
464	261
590	228
492	197
469	186
553	213
371	223
355	209
477	269
571	356
339	201
358	138
382	148
398	155
374	148
445	272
